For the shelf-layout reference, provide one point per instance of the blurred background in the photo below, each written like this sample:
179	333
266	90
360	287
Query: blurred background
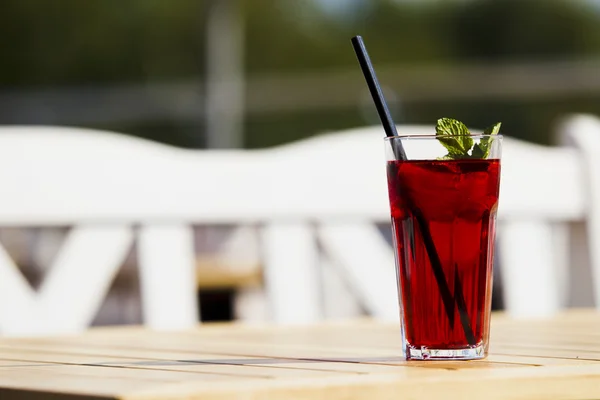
151	68
259	73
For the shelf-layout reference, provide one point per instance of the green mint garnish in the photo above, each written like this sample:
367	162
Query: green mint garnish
456	138
482	149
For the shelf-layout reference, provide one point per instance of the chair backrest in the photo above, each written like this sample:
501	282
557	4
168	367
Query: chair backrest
582	132
340	180
112	187
541	195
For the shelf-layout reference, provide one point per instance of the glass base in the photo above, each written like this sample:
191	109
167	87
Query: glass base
424	353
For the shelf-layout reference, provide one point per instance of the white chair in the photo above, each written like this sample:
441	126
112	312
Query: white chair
337	183
542	194
110	188
316	201
582	132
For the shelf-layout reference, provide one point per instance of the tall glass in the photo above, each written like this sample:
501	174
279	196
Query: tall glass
443	218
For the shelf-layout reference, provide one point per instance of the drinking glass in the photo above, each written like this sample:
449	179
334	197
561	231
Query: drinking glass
443	211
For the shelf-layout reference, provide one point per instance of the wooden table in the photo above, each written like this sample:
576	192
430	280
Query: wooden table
554	359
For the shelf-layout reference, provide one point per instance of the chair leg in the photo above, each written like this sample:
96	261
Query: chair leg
168	276
291	276
530	270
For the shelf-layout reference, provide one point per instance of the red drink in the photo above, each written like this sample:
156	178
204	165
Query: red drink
443	216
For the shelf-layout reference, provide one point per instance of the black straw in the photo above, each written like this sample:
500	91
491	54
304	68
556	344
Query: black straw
382	109
390	130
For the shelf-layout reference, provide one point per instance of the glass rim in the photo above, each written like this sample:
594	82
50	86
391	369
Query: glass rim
434	136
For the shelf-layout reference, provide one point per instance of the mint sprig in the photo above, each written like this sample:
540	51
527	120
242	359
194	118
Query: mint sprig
456	138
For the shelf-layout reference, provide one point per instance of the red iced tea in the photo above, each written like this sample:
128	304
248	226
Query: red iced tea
443	216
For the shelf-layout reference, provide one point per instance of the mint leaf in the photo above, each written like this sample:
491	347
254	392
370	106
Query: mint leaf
451	127
455	137
492	130
482	149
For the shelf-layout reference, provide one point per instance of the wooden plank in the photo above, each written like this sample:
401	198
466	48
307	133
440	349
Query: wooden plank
253	366
210	366
141	374
42	356
159	352
299	370
14	363
258	368
183	347
574	346
537	360
553	383
218	364
555	359
550	353
57	383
